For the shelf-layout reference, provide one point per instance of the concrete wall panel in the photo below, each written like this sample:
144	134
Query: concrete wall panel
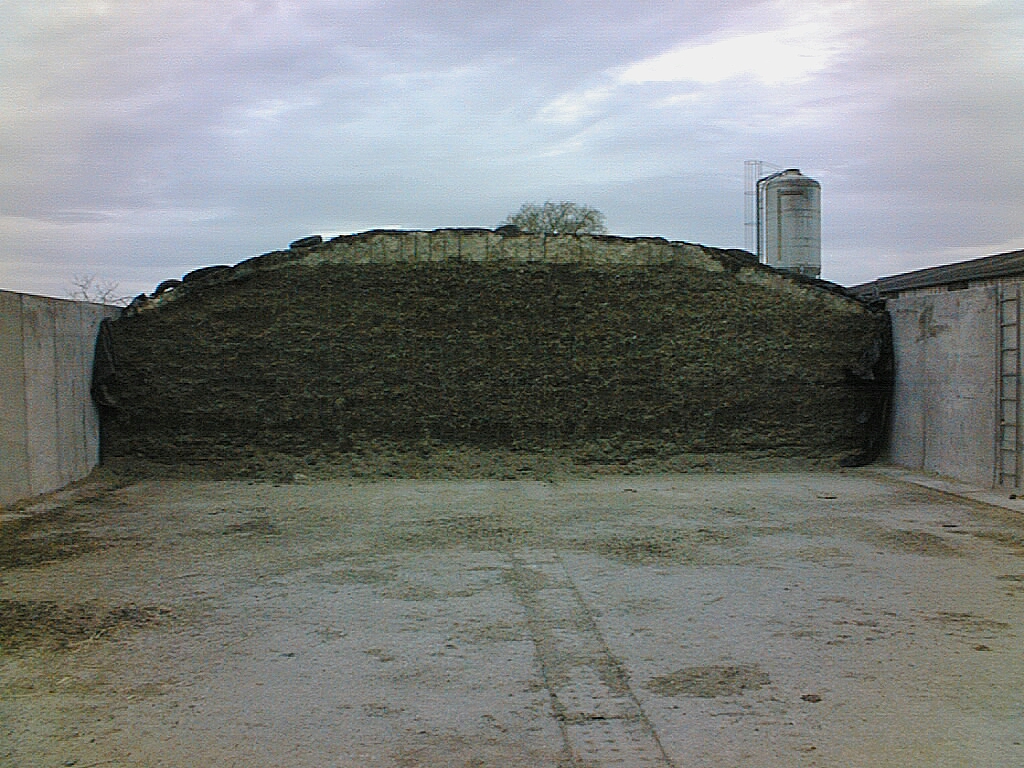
14	482
944	414
906	445
49	428
38	335
71	389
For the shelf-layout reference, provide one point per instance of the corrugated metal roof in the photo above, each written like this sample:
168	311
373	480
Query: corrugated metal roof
986	268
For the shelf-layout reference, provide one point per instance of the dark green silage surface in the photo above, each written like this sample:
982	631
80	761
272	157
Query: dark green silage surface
506	355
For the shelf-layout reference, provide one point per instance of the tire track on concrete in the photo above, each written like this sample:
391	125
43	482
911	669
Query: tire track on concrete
600	717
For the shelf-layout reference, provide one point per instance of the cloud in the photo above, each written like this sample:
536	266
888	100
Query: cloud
768	74
574	107
154	135
773	58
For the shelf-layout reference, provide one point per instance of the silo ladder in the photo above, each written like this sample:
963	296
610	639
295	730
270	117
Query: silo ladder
1008	457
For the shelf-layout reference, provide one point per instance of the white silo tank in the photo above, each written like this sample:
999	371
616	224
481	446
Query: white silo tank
791	221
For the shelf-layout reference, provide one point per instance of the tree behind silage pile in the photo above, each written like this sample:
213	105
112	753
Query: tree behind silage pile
562	218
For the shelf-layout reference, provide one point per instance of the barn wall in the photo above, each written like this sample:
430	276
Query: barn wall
944	392
49	427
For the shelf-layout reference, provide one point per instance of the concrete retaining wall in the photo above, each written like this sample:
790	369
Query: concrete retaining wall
944	395
49	428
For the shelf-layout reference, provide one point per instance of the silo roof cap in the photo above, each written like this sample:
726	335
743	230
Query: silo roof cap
791	176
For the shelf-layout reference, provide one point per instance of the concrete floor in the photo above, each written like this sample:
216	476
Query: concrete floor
693	620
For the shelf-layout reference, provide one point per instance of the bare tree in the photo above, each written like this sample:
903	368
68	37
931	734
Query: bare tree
96	290
563	218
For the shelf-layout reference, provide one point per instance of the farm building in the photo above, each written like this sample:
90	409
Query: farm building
957	385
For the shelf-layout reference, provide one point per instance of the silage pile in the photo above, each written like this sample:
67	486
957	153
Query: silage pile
494	340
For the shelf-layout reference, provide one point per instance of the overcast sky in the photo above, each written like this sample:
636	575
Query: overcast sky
141	139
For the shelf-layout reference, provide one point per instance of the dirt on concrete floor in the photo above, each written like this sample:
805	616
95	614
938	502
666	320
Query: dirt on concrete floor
768	619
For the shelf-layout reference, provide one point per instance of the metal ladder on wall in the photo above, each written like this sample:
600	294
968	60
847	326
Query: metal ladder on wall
1008	455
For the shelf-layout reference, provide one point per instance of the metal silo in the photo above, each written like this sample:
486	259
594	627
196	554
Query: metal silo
790	222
